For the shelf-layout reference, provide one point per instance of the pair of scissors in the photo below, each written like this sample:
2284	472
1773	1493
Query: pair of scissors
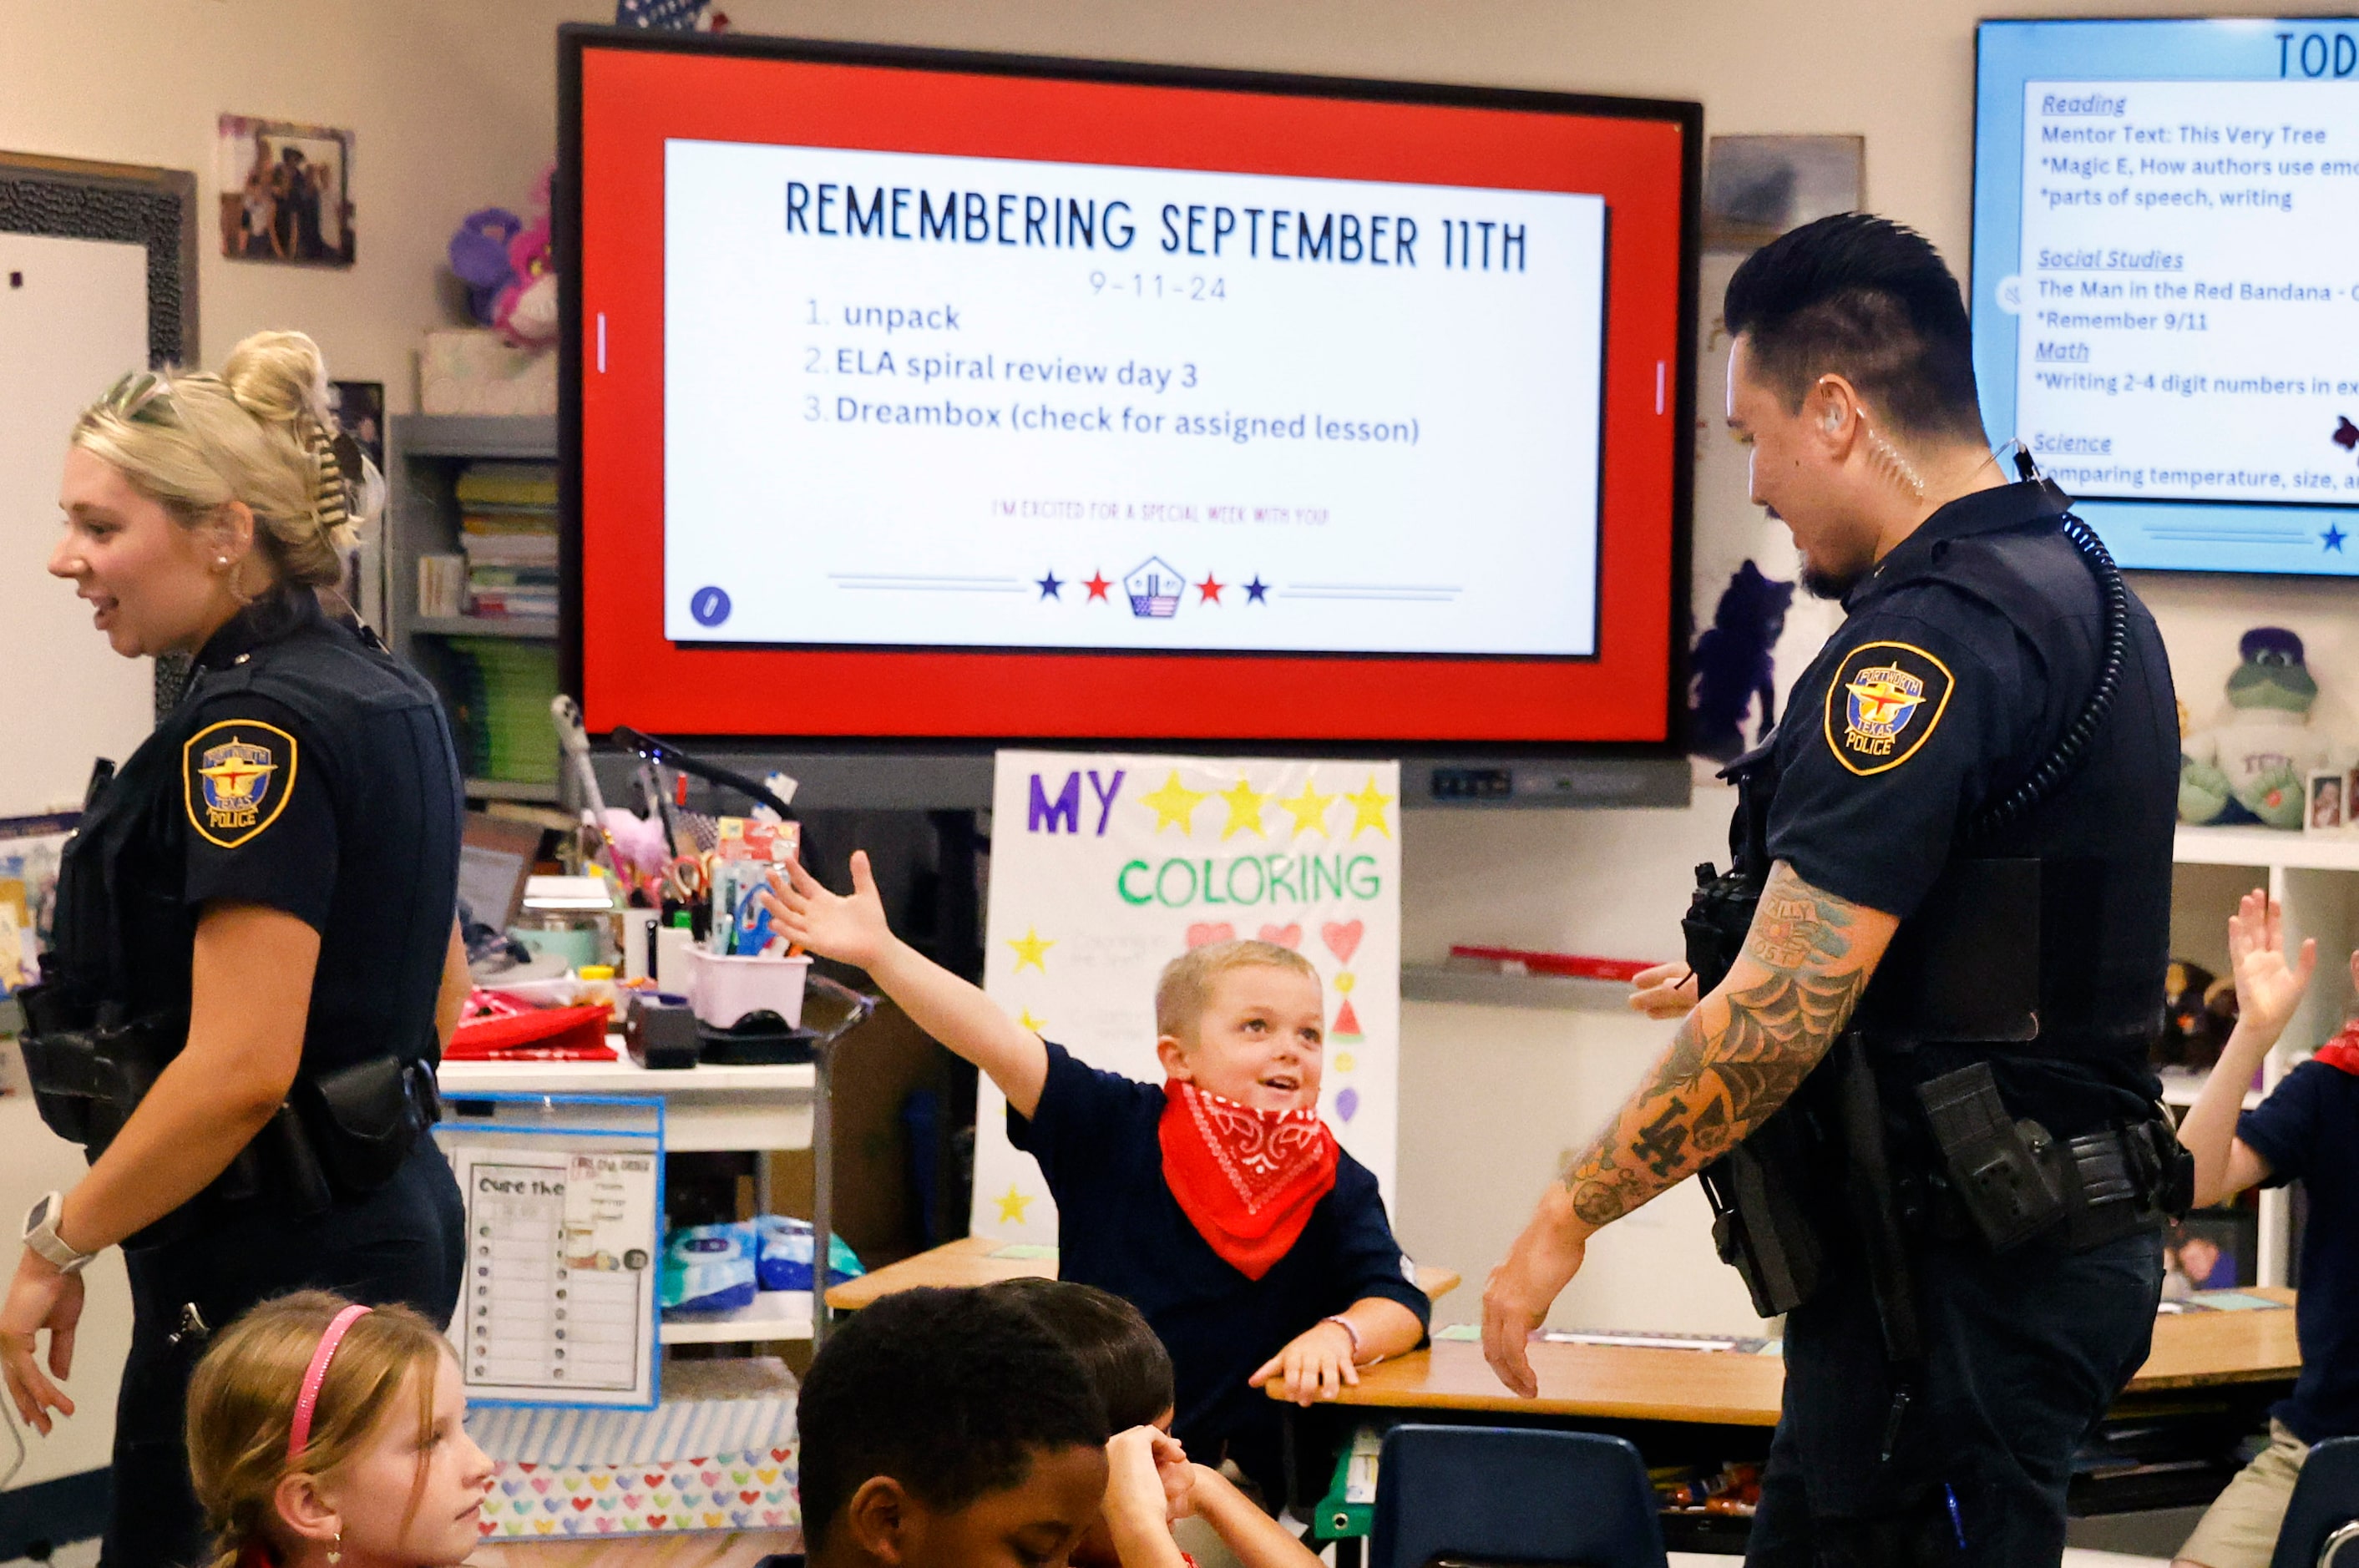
685	879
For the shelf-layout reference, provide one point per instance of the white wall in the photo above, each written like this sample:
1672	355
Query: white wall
454	103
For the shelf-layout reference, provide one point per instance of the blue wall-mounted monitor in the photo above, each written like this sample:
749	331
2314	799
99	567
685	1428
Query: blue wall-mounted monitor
2166	280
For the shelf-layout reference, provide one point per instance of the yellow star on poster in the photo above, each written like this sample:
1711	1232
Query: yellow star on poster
1310	807
1012	1204
1037	1026
1244	810
1368	809
1174	803
1030	948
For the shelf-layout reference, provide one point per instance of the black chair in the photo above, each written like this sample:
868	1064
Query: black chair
1482	1494
2321	1522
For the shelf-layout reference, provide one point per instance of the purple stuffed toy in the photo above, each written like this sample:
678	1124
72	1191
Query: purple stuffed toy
478	256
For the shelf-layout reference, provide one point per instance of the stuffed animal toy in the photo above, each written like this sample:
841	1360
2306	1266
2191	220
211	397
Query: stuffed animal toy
478	256
526	310
2250	769
2199	1010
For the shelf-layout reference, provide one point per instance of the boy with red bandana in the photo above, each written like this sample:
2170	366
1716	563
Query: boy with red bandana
2303	1131
1217	1203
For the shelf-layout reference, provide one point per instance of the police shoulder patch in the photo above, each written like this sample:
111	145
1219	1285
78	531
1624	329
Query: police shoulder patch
237	776
1884	703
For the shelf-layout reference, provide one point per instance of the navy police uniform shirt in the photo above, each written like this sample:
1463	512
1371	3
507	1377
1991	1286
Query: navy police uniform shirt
2308	1130
1119	1228
1964	656
306	770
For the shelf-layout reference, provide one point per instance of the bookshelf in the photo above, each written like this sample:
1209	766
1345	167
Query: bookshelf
425	455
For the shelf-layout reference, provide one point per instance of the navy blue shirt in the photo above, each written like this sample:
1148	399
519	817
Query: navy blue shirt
2308	1129
1963	658
1119	1228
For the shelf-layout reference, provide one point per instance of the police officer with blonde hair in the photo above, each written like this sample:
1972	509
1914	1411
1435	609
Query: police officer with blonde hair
256	960
1913	1075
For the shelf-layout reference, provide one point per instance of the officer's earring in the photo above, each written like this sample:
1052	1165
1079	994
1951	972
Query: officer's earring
336	1551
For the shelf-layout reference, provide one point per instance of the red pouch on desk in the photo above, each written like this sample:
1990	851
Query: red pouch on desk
537	1034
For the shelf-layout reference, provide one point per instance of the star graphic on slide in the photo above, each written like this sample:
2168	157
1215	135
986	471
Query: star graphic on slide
1211	589
2334	536
1368	809
1174	803
1049	585
1030	949
1256	591
1097	585
1026	1020
1244	810
1012	1204
1310	807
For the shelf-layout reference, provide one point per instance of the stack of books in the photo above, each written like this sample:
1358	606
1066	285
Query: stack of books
504	690
508	531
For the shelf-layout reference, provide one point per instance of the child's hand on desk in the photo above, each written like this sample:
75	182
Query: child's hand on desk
851	931
1315	1364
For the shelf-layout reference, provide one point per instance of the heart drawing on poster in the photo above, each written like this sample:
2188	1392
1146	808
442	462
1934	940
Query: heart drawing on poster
1343	938
1347	1103
1205	933
1285	936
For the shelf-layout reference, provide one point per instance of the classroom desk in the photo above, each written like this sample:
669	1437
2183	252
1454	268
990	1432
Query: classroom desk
958	1265
1612	1382
2214	1369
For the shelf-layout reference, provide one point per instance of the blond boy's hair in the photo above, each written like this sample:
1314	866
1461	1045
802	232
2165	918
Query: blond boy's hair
1185	989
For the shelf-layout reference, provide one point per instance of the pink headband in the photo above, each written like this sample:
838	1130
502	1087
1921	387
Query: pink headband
314	1375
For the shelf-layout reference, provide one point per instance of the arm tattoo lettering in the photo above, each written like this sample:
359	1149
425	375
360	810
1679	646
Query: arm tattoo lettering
1742	1053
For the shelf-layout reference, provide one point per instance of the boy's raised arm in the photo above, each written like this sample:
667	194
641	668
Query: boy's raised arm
2268	988
854	930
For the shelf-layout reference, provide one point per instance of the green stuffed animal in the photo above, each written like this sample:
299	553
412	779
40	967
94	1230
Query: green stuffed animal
2251	769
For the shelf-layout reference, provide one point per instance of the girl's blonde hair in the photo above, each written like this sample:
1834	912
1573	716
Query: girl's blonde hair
242	1405
260	433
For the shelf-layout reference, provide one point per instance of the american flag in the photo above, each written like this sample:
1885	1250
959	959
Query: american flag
663	16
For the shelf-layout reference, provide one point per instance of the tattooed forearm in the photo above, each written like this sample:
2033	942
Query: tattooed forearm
1744	1050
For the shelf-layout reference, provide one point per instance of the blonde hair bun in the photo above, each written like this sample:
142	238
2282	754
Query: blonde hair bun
281	378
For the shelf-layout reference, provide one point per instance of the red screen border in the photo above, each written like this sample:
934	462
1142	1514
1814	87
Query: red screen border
1631	694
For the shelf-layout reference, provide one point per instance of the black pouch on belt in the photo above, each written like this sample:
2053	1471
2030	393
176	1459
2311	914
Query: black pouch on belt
365	1119
2001	1171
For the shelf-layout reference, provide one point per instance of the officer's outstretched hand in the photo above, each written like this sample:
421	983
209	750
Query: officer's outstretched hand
39	1297
851	931
1664	991
1516	1299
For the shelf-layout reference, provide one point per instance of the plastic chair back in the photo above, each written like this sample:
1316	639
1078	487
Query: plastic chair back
2325	1499
1513	1494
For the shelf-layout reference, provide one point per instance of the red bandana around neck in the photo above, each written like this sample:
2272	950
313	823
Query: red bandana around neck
2342	1050
1246	1180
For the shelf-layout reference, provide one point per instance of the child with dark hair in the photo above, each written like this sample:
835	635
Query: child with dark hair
948	1429
1151	1482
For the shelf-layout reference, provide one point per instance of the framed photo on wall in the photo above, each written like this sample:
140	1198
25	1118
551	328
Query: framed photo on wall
286	191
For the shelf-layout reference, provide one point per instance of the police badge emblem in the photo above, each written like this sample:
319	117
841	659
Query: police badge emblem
1883	704
238	775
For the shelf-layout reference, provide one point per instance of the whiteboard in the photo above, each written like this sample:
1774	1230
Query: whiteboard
73	317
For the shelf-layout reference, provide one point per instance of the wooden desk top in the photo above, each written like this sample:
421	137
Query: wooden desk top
1728	1388
958	1265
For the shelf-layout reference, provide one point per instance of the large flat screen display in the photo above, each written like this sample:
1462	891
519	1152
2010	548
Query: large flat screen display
929	395
2166	294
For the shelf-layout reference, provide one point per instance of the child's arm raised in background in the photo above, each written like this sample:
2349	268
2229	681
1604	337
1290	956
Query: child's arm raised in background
2268	988
854	930
1253	1538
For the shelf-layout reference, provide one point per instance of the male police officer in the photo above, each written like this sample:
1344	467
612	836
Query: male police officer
1963	825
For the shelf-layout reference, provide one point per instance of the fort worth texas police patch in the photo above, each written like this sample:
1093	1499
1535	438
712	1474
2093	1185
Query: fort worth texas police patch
238	775
1884	703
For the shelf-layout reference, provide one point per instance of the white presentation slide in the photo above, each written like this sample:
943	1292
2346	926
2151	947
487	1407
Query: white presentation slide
2188	288
914	400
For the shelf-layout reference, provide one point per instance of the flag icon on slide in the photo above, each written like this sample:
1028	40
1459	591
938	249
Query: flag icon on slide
1154	589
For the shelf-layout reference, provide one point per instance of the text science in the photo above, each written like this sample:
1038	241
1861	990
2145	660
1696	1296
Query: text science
1005	404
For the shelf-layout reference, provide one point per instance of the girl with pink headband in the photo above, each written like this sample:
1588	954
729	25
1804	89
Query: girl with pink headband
325	1434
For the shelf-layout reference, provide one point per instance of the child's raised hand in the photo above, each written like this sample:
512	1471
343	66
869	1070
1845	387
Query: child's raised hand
850	930
2268	988
1663	991
1315	1364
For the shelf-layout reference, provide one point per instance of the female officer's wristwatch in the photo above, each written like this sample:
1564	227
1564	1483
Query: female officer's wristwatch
41	1235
